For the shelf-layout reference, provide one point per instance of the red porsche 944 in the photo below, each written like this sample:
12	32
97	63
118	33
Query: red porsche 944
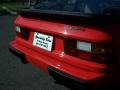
72	40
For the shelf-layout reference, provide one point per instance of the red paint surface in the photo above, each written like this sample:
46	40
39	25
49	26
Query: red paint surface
60	29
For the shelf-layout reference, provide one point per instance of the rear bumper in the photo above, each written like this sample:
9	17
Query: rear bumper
18	54
68	80
62	72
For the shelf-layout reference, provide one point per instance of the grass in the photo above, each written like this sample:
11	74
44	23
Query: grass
12	6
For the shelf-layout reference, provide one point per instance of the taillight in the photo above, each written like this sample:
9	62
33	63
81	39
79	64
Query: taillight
18	29
22	32
95	52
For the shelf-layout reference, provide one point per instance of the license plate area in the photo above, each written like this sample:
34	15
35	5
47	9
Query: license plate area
43	41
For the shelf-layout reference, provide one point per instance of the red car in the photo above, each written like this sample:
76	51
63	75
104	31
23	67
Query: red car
72	40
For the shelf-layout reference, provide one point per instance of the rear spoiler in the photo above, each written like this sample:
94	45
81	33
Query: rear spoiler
53	12
73	17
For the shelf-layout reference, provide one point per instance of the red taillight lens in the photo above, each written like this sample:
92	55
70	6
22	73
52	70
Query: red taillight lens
95	52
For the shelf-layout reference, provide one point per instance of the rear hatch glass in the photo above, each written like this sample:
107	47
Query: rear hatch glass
82	6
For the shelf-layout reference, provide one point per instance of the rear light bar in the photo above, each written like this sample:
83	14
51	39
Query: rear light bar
22	32
94	52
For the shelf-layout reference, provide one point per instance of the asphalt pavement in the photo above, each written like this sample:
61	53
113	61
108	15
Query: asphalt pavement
13	74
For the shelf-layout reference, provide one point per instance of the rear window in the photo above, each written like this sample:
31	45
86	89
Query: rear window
82	6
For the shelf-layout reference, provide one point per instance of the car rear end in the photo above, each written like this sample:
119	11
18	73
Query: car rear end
70	48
